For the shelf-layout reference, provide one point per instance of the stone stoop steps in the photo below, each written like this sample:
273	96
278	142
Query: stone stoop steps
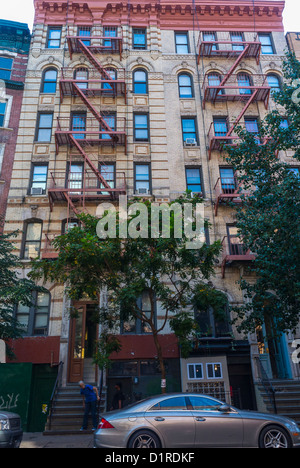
287	398
67	411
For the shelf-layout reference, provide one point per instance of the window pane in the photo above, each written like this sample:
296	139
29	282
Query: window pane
210	373
6	63
273	82
51	75
140	75
139	38
251	125
141	127
34	231
266	43
176	404
237	37
54	38
210	37
193	179
42	299
55	33
142	172
44	135
191	371
244	80
39	177
2	113
185	86
181	43
32	249
198	368
5	68
46	121
204	404
220	126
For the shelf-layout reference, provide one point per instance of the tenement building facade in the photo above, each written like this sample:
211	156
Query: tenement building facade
139	97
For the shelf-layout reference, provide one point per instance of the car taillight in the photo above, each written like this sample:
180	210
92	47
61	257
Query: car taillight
105	424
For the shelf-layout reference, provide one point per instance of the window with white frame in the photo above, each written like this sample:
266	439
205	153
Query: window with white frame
195	371
214	370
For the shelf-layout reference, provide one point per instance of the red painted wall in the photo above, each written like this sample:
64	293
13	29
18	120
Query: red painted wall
37	350
142	347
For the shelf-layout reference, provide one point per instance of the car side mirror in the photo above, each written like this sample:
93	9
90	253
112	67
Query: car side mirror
224	408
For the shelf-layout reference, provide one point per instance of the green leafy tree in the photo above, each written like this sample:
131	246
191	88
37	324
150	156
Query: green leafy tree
13	290
162	266
268	219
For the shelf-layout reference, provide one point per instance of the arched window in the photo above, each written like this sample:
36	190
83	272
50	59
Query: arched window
112	72
274	83
81	75
211	325
244	83
140	82
214	80
185	84
49	81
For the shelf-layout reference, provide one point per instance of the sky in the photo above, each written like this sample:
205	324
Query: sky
22	11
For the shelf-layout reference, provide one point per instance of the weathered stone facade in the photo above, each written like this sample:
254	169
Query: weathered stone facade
165	152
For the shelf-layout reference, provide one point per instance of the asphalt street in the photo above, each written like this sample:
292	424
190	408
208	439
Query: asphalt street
38	440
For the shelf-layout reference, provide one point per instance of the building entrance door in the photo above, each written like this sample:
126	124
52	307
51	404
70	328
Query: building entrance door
83	336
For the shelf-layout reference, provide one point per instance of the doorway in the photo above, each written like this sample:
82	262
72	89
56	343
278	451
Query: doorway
83	338
273	351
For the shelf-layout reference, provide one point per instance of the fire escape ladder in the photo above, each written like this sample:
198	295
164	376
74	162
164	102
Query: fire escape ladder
89	162
94	61
242	113
234	66
95	113
230	72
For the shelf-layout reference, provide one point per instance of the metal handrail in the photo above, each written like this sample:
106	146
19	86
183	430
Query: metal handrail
56	385
270	390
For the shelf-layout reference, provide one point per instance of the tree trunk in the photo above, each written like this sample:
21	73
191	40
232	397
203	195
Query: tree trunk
161	363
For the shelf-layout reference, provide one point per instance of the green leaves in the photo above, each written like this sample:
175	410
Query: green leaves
14	289
268	220
126	267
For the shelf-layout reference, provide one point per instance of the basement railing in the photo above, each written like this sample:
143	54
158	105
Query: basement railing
54	391
266	383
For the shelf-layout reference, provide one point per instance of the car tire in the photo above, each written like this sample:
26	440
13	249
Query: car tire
274	437
144	439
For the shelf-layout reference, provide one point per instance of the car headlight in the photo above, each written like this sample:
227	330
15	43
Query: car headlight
4	425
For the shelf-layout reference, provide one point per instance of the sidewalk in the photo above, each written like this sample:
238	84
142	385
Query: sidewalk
38	440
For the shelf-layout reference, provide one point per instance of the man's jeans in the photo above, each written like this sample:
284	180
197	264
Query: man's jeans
90	406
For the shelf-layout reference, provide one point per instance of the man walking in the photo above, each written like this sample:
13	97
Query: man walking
90	399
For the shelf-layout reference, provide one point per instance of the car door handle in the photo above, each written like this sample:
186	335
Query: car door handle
200	419
159	419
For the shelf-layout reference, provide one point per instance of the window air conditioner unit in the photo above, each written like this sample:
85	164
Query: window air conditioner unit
143	191
190	142
37	191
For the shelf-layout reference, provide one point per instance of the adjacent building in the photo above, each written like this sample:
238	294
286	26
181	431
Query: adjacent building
138	99
14	49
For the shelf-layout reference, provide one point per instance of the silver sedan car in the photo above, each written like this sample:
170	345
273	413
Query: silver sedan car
190	420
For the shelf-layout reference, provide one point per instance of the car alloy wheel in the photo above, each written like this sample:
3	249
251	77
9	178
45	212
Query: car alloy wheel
144	439
274	437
